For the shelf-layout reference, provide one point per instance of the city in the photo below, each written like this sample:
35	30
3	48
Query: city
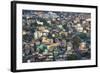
55	36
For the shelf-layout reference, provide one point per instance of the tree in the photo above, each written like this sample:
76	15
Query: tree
76	42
